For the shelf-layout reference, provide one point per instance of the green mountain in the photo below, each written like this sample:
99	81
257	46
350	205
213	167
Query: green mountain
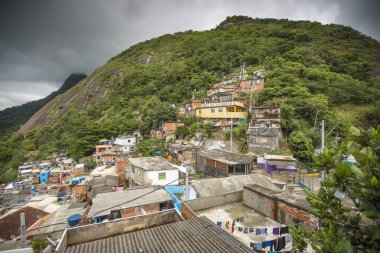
313	72
12	118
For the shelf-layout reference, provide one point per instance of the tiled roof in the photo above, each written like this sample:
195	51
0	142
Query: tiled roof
197	235
10	224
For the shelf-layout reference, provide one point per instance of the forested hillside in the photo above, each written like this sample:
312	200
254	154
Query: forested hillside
313	72
12	118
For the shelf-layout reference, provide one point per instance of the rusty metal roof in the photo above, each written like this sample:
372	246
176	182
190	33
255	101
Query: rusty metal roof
10	223
196	235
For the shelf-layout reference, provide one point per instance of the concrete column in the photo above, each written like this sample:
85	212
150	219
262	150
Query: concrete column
23	230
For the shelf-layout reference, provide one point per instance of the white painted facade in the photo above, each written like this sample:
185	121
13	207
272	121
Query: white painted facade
126	144
153	177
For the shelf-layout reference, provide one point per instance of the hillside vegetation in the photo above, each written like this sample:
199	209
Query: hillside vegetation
313	72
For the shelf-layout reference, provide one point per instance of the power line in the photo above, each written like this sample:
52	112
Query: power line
133	199
82	218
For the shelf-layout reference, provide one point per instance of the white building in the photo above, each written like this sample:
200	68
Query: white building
125	144
152	171
25	170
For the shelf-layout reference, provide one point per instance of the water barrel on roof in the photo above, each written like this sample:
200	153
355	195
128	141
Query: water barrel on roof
53	187
157	153
74	181
44	188
74	220
81	179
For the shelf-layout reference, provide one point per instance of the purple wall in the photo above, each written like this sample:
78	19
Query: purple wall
261	165
269	168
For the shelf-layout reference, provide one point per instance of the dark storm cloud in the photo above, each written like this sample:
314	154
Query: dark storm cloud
43	41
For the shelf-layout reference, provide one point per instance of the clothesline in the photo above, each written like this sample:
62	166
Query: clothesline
278	243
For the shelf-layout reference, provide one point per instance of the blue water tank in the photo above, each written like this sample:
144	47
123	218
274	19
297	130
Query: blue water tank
74	220
44	188
157	153
74	181
81	179
34	189
53	187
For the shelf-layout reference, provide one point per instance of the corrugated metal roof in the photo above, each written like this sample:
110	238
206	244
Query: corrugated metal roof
59	218
10	223
152	163
197	235
226	157
109	200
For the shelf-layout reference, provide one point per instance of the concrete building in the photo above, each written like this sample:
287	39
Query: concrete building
233	111
278	163
162	232
222	87
256	84
285	207
126	144
171	127
55	223
25	171
10	222
191	105
105	147
250	227
266	113
152	171
263	138
181	152
215	186
102	184
218	162
133	202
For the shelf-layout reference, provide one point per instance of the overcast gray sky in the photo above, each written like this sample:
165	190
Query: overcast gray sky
43	41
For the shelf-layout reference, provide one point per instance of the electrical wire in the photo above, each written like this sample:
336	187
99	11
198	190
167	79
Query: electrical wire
82	218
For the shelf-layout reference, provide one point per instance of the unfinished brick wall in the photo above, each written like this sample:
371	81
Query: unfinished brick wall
292	215
215	168
133	211
187	212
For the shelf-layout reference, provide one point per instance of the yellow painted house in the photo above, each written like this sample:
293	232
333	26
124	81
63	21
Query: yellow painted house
222	110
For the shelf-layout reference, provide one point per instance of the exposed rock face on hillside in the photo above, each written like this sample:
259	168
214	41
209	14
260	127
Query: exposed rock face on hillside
12	118
84	94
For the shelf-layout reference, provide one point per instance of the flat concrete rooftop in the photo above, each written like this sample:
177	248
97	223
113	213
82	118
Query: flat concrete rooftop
252	218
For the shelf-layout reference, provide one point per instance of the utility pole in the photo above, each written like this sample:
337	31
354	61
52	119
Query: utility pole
232	125
23	230
323	135
322	146
187	182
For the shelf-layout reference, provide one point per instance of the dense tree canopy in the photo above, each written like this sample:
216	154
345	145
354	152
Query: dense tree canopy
313	72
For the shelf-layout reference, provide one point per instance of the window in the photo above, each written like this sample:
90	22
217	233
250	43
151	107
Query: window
212	110
162	176
220	110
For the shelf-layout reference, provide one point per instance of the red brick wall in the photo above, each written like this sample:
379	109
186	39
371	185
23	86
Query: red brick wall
216	164
130	212
172	126
298	214
187	212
